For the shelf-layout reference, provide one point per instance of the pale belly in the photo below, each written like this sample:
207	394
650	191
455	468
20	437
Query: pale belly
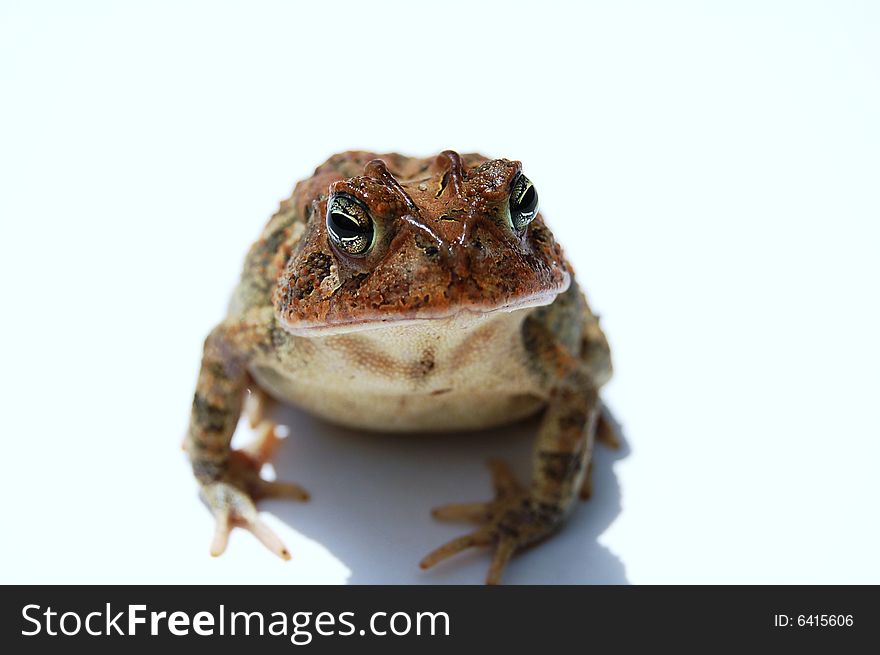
453	374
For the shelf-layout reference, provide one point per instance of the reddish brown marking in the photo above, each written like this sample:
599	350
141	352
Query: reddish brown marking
376	168
420	266
360	353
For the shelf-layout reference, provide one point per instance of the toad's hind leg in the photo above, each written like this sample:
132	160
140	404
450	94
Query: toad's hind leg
262	448
608	434
607	431
257	407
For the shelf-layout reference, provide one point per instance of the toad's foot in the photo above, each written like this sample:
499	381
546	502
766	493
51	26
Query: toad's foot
231	498
513	520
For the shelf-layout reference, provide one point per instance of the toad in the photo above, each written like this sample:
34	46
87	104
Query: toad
393	293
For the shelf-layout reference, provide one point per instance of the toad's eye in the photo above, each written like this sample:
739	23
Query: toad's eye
349	224
523	202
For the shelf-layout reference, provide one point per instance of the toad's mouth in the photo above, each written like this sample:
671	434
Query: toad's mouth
462	314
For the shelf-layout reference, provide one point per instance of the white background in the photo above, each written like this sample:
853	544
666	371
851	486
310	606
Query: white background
711	169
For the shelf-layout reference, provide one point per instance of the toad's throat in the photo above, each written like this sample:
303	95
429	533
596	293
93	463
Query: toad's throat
377	319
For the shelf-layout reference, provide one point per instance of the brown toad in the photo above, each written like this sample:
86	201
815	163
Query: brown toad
392	293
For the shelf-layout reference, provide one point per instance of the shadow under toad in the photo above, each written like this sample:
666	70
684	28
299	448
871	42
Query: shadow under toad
372	494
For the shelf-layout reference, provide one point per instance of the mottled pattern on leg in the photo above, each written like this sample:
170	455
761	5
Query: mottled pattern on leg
230	479
563	450
216	408
220	389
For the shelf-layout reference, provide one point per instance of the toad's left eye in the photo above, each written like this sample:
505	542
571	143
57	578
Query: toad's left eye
523	202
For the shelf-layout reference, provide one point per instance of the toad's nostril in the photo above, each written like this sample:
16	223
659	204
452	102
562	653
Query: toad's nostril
426	245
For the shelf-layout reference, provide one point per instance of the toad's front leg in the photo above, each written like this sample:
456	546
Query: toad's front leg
519	516
230	479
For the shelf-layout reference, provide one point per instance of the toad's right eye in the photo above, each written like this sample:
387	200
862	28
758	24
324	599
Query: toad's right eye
349	224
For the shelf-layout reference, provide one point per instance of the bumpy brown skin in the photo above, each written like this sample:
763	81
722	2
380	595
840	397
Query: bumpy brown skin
444	248
453	249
